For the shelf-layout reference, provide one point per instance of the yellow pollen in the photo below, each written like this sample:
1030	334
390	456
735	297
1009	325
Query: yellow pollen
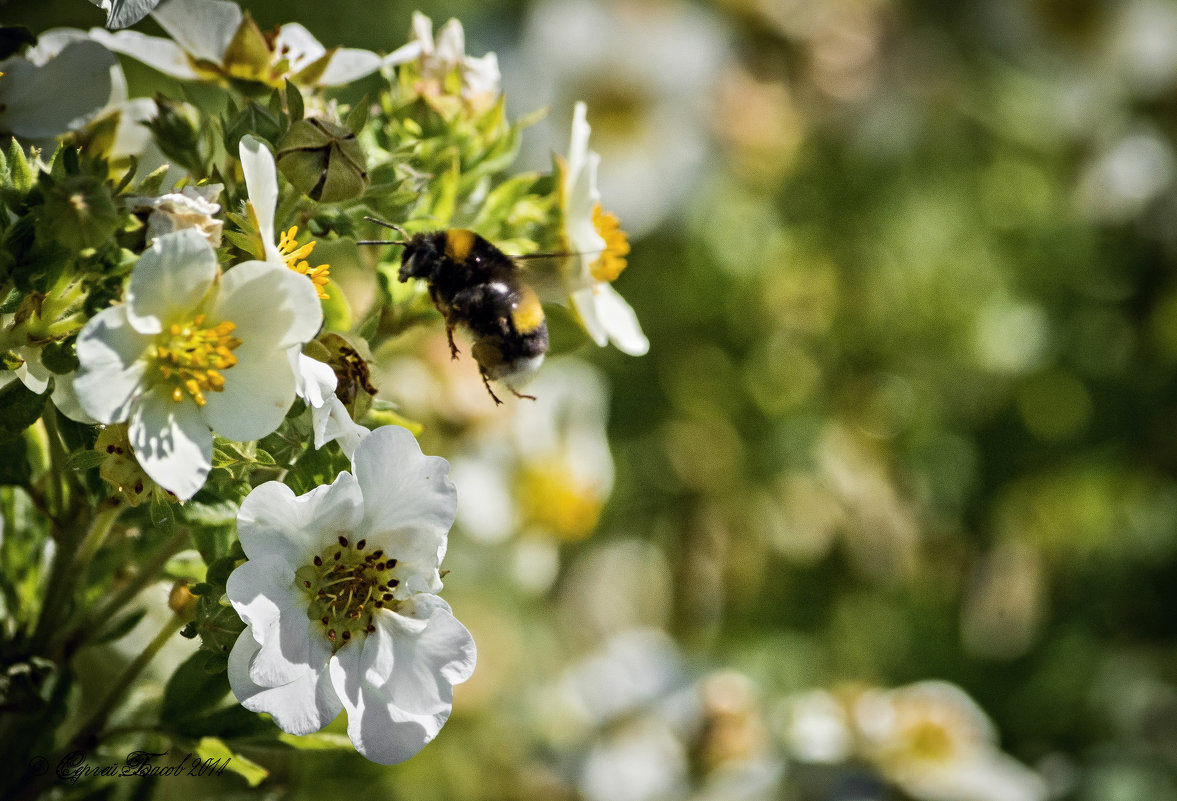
296	255
192	357
612	261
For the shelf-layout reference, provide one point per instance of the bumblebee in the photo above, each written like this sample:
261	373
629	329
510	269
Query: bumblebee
477	286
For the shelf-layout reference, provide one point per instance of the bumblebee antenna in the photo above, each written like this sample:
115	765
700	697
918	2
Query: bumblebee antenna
396	228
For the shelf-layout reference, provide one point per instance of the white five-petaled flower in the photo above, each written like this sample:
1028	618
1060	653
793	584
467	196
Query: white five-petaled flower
192	350
206	44
340	605
481	81
191	207
81	77
935	742
598	247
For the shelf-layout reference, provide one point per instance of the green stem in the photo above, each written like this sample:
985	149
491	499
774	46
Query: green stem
95	537
104	613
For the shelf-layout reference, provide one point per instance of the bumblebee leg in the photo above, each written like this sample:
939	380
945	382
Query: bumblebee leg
519	394
449	335
486	383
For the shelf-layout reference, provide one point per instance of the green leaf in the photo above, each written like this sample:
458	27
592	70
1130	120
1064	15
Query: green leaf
357	118
319	741
152	183
20	175
294	104
84	459
19	408
191	692
163	516
212	751
12	302
14	462
120	628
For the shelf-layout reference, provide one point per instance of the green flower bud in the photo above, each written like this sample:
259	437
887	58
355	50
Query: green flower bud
323	160
79	212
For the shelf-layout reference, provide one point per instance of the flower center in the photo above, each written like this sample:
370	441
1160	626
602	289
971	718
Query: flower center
550	495
295	256
346	587
612	261
191	357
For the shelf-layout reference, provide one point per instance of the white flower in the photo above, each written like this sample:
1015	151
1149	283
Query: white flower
598	246
261	184
437	58
340	605
203	30
191	350
330	419
36	376
121	13
932	740
81	77
191	207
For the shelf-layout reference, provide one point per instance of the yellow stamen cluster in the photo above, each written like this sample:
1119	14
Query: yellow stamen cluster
610	263
345	587
192	358
295	256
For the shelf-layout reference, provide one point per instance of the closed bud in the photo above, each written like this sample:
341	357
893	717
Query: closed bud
323	160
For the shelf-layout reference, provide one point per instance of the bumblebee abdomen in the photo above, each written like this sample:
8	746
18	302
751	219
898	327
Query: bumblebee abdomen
527	315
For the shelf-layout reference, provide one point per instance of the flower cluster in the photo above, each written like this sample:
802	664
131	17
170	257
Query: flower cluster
192	341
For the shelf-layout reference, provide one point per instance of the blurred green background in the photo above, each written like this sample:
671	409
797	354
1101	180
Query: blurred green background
909	412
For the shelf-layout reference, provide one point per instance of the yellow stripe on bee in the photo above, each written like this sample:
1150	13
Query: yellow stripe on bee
458	243
528	314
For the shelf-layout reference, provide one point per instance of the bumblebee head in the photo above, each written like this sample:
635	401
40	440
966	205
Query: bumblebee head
419	257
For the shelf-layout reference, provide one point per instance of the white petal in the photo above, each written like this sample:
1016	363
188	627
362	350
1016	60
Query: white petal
584	302
409	502
316	380
121	13
299	45
332	423
415	661
348	64
261	183
272	521
204	28
378	729
260	589
618	319
78	80
303	706
33	374
65	398
171	442
112	367
260	387
154	51
578	146
269	304
169	281
287	647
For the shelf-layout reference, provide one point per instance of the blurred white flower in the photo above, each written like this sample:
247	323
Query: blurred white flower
936	743
191	207
340	605
642	761
189	351
36	377
438	58
817	728
81	76
598	247
649	71
202	31
121	13
551	472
